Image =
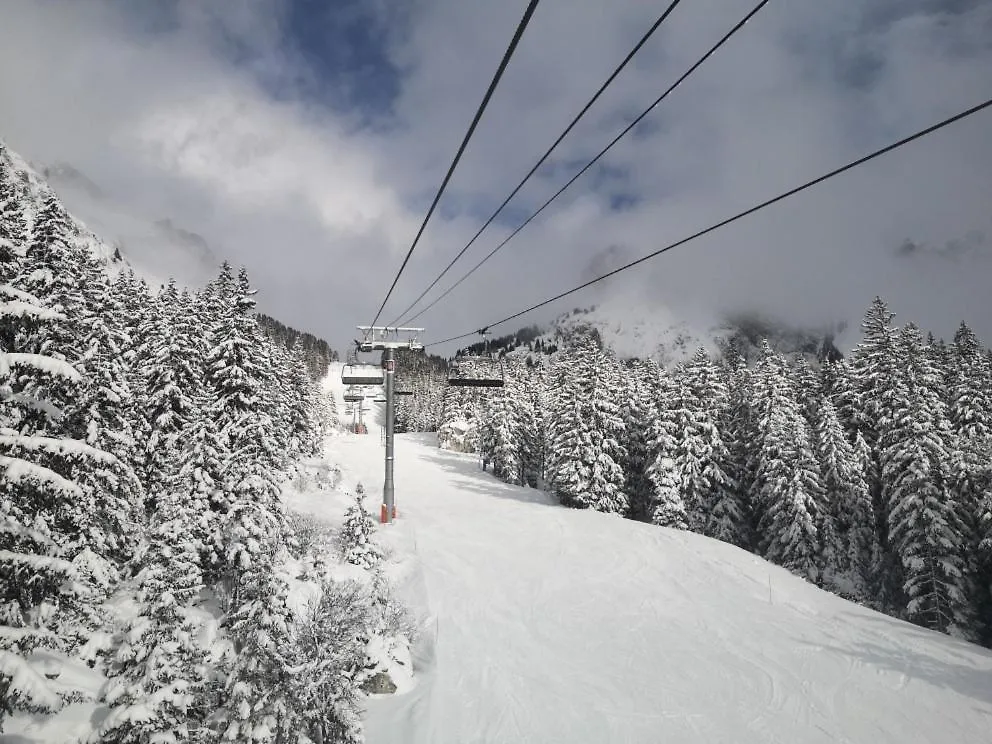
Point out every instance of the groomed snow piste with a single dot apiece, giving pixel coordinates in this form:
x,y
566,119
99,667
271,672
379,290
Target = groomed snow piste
x,y
543,624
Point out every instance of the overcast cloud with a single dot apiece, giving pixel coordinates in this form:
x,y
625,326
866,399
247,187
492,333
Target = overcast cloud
x,y
305,140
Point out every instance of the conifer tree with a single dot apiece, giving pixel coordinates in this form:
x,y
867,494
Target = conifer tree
x,y
531,417
737,427
638,412
587,449
666,506
924,523
13,226
159,685
259,704
49,529
848,542
869,409
786,473
358,546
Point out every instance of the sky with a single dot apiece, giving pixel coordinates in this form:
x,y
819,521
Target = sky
x,y
305,140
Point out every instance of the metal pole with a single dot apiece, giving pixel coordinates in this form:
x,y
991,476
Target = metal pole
x,y
388,505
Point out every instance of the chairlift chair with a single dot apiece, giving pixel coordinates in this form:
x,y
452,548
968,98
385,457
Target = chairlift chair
x,y
362,374
477,370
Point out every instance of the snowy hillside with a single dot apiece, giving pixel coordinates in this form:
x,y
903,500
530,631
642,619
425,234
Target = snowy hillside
x,y
35,187
156,248
545,624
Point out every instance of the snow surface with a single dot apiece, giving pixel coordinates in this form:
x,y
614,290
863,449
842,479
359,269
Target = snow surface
x,y
543,624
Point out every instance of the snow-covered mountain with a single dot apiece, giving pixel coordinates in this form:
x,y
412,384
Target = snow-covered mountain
x,y
631,327
633,330
156,247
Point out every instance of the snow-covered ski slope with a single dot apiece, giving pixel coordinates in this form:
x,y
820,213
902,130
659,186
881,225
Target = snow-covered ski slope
x,y
545,625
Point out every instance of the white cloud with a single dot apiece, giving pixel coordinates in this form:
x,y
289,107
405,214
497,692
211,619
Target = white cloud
x,y
322,209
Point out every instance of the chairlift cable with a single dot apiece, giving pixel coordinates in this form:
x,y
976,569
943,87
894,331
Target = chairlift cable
x,y
461,149
602,88
740,215
726,37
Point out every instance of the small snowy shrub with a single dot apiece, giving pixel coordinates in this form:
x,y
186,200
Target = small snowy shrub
x,y
307,534
303,480
390,617
329,646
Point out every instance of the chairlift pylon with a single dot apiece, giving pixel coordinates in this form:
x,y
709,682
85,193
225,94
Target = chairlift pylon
x,y
477,370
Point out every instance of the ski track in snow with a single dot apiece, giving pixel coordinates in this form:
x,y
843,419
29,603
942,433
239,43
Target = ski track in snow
x,y
543,624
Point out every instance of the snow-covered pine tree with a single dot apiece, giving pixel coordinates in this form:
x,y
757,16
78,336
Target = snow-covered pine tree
x,y
690,452
970,412
172,375
358,546
248,495
787,478
458,423
259,704
586,451
302,405
970,382
701,457
736,426
531,415
848,544
866,407
51,534
105,411
665,507
568,444
159,688
809,389
925,525
13,225
504,446
873,365
204,459
638,411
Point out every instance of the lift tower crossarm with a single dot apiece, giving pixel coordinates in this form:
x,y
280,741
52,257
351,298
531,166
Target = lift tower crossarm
x,y
387,339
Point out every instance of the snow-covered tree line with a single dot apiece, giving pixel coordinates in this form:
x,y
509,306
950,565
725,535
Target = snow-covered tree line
x,y
143,438
423,375
315,351
870,476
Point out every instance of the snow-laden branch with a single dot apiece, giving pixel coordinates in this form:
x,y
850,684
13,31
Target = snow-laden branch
x,y
16,470
46,364
39,564
26,688
22,309
41,405
17,294
52,446
17,530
